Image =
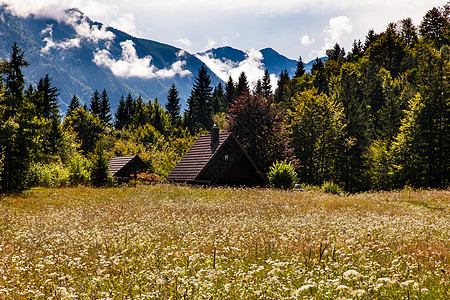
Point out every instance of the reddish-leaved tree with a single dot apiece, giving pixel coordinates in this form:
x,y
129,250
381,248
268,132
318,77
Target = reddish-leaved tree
x,y
258,124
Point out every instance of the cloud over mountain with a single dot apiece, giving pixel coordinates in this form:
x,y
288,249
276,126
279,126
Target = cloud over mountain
x,y
224,68
130,65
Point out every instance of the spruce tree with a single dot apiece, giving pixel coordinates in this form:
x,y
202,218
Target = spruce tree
x,y
282,96
95,103
48,108
173,104
121,114
320,80
199,103
300,71
73,105
105,108
218,99
230,93
242,86
17,124
266,86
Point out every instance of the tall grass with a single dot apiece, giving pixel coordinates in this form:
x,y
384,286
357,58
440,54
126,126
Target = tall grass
x,y
165,241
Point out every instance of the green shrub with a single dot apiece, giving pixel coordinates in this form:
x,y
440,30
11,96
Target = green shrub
x,y
282,175
48,175
331,187
78,167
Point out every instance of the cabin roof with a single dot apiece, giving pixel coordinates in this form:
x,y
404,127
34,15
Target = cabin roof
x,y
197,158
119,163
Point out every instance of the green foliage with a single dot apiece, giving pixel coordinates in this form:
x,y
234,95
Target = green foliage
x,y
79,169
86,127
316,127
379,165
48,175
99,171
199,112
282,175
331,187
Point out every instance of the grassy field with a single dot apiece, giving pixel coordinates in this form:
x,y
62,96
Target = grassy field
x,y
171,242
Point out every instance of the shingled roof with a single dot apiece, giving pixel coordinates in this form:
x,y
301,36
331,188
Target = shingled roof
x,y
123,166
217,159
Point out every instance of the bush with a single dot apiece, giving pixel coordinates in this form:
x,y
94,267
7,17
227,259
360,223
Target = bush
x,y
282,175
78,167
331,187
48,175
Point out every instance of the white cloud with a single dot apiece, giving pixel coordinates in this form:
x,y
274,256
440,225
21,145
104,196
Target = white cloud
x,y
337,28
130,65
252,66
50,43
306,40
84,30
125,23
185,42
210,44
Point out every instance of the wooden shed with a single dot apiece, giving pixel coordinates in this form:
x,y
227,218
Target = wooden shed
x,y
126,167
218,159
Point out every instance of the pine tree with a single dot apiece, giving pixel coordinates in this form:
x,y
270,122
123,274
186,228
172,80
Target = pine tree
x,y
320,80
130,109
266,86
73,105
48,106
300,71
435,28
282,95
95,104
99,172
408,32
218,99
242,86
199,103
121,114
230,93
14,81
259,89
173,104
105,108
17,124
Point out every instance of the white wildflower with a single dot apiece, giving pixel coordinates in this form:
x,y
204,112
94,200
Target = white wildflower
x,y
406,283
352,274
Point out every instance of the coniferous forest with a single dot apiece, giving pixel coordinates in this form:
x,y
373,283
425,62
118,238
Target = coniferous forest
x,y
375,117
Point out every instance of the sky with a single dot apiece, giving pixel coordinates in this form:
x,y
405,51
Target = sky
x,y
292,27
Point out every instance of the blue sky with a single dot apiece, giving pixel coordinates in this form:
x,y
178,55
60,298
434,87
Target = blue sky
x,y
292,27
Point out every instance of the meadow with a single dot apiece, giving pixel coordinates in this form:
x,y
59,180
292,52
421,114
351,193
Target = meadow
x,y
180,242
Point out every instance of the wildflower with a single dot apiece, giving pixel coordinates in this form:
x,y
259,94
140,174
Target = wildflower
x,y
406,283
352,275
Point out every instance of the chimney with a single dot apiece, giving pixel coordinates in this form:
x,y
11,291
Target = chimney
x,y
214,135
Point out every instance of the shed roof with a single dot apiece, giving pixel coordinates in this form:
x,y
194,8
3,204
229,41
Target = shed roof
x,y
116,164
195,160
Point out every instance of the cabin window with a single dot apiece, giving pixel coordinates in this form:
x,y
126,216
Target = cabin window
x,y
225,157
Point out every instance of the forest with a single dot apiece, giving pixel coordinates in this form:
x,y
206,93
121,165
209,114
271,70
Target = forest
x,y
373,118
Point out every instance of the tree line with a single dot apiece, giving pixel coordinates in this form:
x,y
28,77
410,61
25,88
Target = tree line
x,y
373,118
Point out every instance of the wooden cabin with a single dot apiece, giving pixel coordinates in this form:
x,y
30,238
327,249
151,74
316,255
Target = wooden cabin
x,y
217,159
125,168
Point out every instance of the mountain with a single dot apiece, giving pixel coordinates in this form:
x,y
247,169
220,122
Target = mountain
x,y
267,58
81,55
